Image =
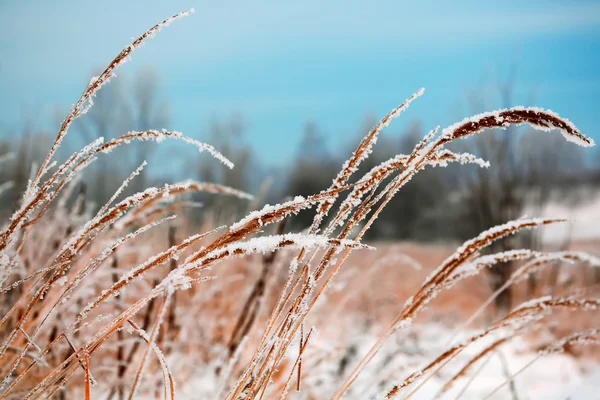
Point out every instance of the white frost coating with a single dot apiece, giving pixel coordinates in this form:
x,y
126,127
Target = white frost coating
x,y
167,196
217,189
449,131
368,143
150,340
49,167
568,137
410,169
474,267
462,158
93,264
32,191
561,300
470,248
576,256
159,136
496,232
297,204
590,336
568,257
135,173
142,268
380,172
267,244
414,377
85,102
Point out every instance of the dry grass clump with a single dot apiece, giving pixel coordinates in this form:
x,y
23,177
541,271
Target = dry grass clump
x,y
74,283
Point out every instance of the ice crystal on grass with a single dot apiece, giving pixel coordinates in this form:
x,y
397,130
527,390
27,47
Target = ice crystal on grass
x,y
159,136
95,264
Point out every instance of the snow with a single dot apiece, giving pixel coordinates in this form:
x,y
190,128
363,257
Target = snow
x,y
363,151
569,131
551,377
583,219
159,136
292,206
267,244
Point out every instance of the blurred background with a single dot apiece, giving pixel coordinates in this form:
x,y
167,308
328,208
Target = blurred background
x,y
287,91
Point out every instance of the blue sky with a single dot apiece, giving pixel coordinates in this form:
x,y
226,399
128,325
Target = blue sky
x,y
279,64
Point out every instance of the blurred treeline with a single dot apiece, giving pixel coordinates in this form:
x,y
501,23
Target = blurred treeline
x,y
528,169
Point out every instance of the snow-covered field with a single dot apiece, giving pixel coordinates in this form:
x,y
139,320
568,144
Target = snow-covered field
x,y
552,377
352,317
584,219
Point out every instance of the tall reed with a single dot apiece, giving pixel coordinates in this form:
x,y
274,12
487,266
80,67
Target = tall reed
x,y
58,328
